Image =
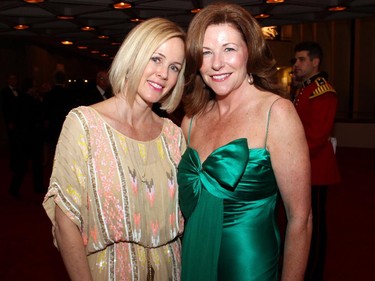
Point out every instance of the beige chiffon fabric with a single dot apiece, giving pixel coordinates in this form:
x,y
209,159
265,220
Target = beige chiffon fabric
x,y
122,194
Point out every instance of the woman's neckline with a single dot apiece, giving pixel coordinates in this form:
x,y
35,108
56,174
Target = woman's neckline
x,y
122,134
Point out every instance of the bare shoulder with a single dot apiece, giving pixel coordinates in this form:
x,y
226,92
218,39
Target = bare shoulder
x,y
284,123
280,104
101,107
282,109
106,109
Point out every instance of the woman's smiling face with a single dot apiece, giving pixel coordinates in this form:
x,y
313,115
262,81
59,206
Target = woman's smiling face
x,y
161,72
225,58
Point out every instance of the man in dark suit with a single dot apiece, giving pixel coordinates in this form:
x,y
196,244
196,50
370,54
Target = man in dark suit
x,y
58,102
16,111
100,91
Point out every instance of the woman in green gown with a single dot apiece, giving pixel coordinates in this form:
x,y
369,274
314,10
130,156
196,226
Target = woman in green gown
x,y
246,146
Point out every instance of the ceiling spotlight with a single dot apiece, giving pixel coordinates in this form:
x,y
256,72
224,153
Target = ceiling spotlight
x,y
87,28
262,16
21,26
337,8
82,47
94,52
33,1
104,55
67,42
274,1
103,36
122,5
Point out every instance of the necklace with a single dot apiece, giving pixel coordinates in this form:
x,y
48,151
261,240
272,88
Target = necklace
x,y
139,140
140,155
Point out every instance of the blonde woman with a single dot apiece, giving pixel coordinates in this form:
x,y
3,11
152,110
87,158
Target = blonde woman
x,y
113,197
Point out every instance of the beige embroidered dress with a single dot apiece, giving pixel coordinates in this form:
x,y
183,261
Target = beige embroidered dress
x,y
122,194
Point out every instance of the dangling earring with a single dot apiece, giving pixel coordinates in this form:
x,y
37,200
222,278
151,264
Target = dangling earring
x,y
250,79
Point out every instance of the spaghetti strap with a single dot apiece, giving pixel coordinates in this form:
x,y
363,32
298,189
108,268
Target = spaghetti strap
x,y
268,121
191,122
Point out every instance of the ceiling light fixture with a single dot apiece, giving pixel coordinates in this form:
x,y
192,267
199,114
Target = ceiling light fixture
x,y
337,8
269,32
262,16
122,5
195,11
87,28
103,36
274,1
21,26
94,52
67,42
33,1
82,47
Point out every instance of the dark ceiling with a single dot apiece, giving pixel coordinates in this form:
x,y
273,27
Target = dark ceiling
x,y
46,28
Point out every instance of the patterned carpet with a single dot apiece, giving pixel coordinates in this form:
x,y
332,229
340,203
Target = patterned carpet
x,y
27,252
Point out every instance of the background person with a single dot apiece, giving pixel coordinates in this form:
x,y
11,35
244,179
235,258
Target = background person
x,y
100,91
58,101
316,104
113,197
16,113
245,145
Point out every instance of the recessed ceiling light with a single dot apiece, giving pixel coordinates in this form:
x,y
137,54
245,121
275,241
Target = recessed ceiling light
x,y
87,28
194,11
67,42
122,5
21,26
274,1
82,47
103,36
337,8
94,52
262,16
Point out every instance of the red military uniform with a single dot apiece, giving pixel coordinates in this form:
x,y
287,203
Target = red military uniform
x,y
316,104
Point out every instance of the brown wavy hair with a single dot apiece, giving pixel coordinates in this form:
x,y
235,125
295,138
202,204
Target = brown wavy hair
x,y
261,63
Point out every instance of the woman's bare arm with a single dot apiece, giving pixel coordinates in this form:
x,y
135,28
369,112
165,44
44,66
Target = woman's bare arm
x,y
291,164
71,247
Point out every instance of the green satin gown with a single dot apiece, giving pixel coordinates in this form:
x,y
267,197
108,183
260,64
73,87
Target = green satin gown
x,y
228,202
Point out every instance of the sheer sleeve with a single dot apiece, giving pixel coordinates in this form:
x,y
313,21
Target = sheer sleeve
x,y
67,187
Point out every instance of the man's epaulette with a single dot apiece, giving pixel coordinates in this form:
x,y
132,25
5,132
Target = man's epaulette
x,y
322,87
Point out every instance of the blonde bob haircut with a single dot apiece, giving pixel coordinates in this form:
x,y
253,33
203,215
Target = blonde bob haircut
x,y
134,54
